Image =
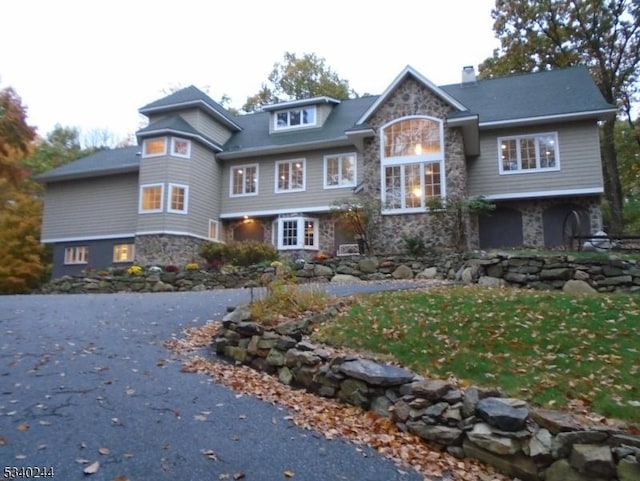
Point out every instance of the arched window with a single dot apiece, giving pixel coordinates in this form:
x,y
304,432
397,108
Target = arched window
x,y
412,161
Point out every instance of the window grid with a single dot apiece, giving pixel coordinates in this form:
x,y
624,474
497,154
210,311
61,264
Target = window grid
x,y
151,198
213,229
76,255
180,147
290,176
244,180
123,252
295,118
178,198
529,153
340,170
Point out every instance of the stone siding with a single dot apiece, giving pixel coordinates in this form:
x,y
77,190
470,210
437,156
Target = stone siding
x,y
164,249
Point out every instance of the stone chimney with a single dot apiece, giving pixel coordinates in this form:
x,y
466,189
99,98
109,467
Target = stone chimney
x,y
468,76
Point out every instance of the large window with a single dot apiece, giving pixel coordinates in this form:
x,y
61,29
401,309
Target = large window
x,y
76,255
339,171
412,164
290,175
154,147
295,118
151,196
178,199
297,233
528,153
244,180
123,252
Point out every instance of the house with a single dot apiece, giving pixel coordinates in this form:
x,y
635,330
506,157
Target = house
x,y
529,143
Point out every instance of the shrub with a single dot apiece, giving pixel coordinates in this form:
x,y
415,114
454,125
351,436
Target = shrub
x,y
134,270
415,245
192,266
171,268
242,253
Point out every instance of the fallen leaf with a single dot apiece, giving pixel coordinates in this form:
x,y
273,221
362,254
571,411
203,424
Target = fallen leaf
x,y
130,392
21,456
92,468
44,423
41,447
239,475
120,478
3,441
288,474
82,461
200,417
23,427
210,453
104,451
224,476
127,455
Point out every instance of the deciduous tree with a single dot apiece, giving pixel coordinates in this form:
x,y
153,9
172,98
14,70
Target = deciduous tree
x,y
298,78
602,34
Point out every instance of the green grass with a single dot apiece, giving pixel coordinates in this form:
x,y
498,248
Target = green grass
x,y
548,348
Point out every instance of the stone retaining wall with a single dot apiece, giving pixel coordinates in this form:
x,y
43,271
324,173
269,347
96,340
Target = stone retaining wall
x,y
530,444
565,272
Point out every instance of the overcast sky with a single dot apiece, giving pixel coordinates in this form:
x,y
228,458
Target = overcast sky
x,y
92,64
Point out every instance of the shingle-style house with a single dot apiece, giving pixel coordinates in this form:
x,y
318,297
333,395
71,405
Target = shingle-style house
x,y
529,143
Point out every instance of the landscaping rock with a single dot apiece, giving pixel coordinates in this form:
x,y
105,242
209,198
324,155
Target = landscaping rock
x,y
578,287
431,389
561,470
501,414
345,279
628,469
443,435
376,374
482,436
428,273
592,459
402,272
368,265
555,421
518,465
563,443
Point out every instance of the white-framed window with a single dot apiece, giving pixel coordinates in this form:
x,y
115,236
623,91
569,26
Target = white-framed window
x,y
290,175
294,118
123,252
213,229
151,198
180,147
244,180
154,147
412,158
528,153
76,255
178,199
340,170
297,233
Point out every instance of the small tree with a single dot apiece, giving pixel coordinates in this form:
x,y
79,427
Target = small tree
x,y
360,218
453,214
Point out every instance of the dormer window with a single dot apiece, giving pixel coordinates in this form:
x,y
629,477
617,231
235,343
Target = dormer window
x,y
294,118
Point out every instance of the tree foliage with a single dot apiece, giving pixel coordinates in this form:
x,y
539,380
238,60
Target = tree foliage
x,y
15,136
601,34
298,78
359,217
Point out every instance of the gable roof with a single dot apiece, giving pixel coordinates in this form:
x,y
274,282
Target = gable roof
x,y
406,72
103,162
191,97
545,96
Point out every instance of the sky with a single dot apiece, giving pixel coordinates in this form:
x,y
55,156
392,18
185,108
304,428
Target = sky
x,y
91,64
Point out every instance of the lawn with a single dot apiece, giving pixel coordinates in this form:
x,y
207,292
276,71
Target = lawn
x,y
549,348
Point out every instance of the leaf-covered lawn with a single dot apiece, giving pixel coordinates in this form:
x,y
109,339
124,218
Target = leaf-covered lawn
x,y
549,348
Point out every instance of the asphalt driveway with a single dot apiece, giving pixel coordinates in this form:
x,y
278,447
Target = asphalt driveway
x,y
86,378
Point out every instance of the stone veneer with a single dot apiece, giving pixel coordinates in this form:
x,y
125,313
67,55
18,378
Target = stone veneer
x,y
412,98
164,249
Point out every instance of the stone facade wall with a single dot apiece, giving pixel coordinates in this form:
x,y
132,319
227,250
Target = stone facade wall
x,y
164,249
412,98
529,444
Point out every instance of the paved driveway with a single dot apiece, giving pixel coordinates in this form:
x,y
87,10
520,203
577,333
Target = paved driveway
x,y
85,378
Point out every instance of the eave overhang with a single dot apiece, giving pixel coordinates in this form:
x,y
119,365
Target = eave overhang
x,y
88,174
470,132
287,148
602,115
190,135
300,103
